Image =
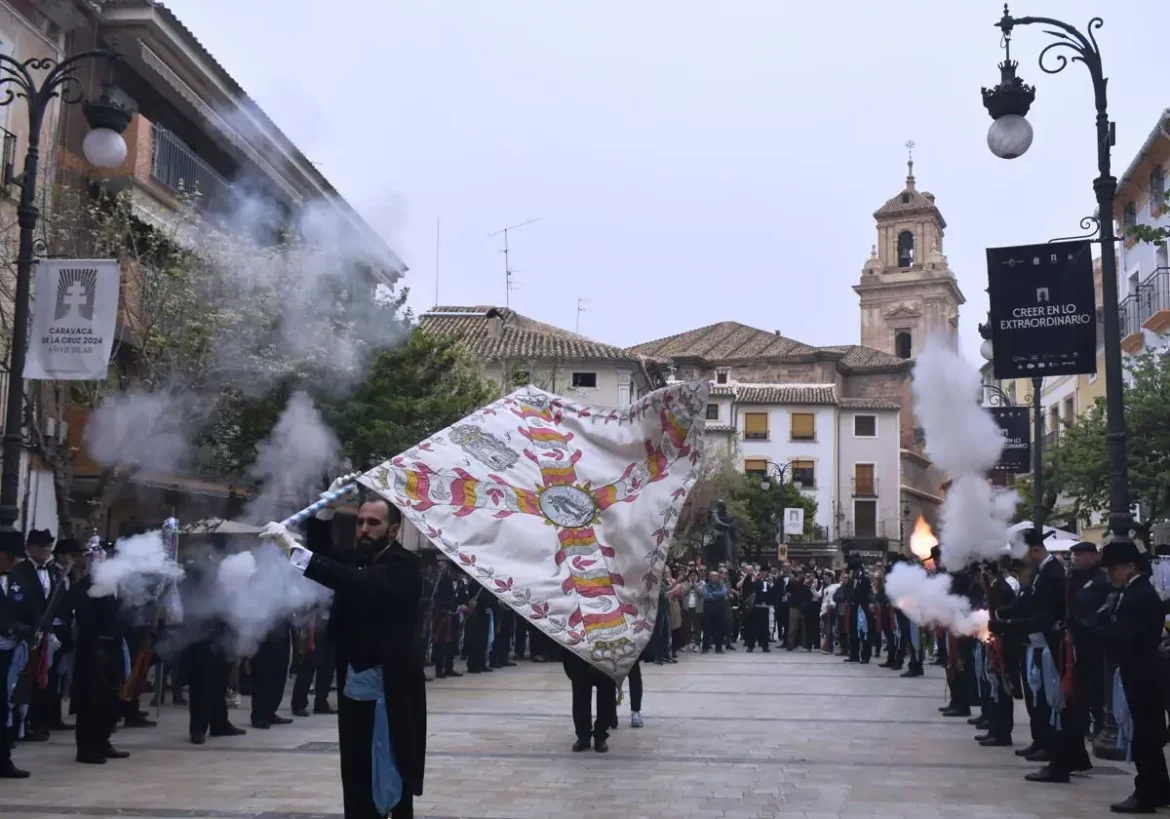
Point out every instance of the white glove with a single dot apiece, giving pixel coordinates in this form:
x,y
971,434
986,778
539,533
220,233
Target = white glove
x,y
299,556
327,512
55,642
279,534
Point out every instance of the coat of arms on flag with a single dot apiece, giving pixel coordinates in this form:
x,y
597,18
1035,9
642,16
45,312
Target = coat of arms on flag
x,y
563,511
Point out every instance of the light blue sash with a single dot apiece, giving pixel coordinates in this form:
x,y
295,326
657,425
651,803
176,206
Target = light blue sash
x,y
1123,716
19,660
915,637
126,659
1044,678
862,623
367,686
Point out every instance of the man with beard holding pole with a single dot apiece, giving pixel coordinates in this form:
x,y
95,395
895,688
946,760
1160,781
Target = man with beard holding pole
x,y
381,702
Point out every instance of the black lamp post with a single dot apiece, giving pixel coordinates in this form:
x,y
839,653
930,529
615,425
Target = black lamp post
x,y
782,472
38,81
1009,137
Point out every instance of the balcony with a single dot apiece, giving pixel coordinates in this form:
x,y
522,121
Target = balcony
x,y
177,167
1146,309
864,486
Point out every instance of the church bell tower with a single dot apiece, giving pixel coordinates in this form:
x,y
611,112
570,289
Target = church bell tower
x,y
908,292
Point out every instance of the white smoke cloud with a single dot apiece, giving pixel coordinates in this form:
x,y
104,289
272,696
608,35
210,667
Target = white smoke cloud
x,y
140,428
292,460
964,440
927,600
137,571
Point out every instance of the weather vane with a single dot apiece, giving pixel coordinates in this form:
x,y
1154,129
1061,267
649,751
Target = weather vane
x,y
910,156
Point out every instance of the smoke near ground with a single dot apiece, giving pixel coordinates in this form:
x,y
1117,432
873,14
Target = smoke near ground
x,y
927,600
965,442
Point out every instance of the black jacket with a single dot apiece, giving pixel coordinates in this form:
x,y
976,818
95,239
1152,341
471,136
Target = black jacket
x,y
372,622
1132,635
1090,590
26,593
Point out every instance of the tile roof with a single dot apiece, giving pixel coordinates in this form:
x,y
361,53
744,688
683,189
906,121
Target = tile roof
x,y
519,336
730,341
785,394
719,427
722,389
868,404
908,202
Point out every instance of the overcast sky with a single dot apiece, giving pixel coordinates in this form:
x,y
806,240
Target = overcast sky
x,y
689,162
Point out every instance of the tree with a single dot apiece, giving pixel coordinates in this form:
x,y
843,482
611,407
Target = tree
x,y
1149,233
1080,466
765,513
410,393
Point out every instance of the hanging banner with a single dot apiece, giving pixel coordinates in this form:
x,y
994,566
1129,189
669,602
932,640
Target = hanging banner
x,y
74,317
794,520
1015,424
1043,309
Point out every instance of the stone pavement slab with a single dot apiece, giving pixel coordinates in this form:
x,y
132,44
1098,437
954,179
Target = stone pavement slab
x,y
738,736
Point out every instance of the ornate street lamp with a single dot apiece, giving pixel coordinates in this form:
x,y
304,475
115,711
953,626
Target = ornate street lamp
x,y
104,148
781,472
1010,101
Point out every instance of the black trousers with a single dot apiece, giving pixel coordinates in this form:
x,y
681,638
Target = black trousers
x,y
781,613
270,674
1089,675
355,728
475,640
98,703
7,735
1152,783
316,671
758,632
860,646
207,680
1001,715
635,678
714,627
505,621
522,638
583,722
905,647
964,687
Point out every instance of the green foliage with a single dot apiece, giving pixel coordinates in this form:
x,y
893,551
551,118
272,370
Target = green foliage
x,y
1148,233
765,513
410,393
1080,466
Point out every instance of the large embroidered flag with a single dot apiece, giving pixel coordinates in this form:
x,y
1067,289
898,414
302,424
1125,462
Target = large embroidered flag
x,y
563,511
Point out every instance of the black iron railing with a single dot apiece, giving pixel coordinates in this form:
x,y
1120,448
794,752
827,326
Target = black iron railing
x,y
1152,295
175,165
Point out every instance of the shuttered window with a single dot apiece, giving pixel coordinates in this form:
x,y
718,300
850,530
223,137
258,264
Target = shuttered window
x,y
804,426
755,426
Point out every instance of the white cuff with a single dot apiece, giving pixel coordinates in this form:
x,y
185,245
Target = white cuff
x,y
299,557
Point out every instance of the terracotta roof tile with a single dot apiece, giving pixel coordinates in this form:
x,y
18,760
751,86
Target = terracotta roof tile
x,y
859,358
785,394
719,428
910,201
518,337
868,404
722,389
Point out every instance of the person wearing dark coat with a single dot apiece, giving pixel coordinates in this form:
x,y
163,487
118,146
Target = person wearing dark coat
x,y
66,552
1132,633
381,685
269,666
14,635
584,678
1089,590
860,601
30,584
99,670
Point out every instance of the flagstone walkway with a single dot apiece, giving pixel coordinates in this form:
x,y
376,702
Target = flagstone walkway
x,y
741,735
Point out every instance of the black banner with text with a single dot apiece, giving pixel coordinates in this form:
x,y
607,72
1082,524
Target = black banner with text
x,y
1015,424
1043,309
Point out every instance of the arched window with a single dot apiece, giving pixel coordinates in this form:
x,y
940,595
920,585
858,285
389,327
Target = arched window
x,y
903,348
905,249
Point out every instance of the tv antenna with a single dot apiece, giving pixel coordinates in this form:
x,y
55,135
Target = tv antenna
x,y
508,271
580,309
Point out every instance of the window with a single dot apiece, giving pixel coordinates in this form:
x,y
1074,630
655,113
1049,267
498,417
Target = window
x,y
756,468
1069,411
903,348
864,426
1161,256
804,473
755,426
864,482
521,378
585,380
722,375
1157,191
712,412
905,249
1130,217
804,426
1053,419
865,518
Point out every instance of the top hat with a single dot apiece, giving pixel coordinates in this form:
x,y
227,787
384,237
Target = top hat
x,y
11,543
1083,546
1120,552
40,537
68,546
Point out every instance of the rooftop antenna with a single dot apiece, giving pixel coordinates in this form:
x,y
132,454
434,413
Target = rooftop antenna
x,y
508,285
580,309
437,220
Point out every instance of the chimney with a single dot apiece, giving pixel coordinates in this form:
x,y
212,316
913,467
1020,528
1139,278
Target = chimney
x,y
495,324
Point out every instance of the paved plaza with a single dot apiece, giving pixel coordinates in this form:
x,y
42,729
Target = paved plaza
x,y
742,735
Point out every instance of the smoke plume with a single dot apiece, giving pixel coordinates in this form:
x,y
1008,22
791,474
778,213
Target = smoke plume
x,y
137,571
964,440
927,600
140,428
292,460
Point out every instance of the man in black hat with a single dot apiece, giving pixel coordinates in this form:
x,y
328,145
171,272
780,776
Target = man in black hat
x,y
860,601
1089,589
65,554
13,633
1061,741
30,585
1132,635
